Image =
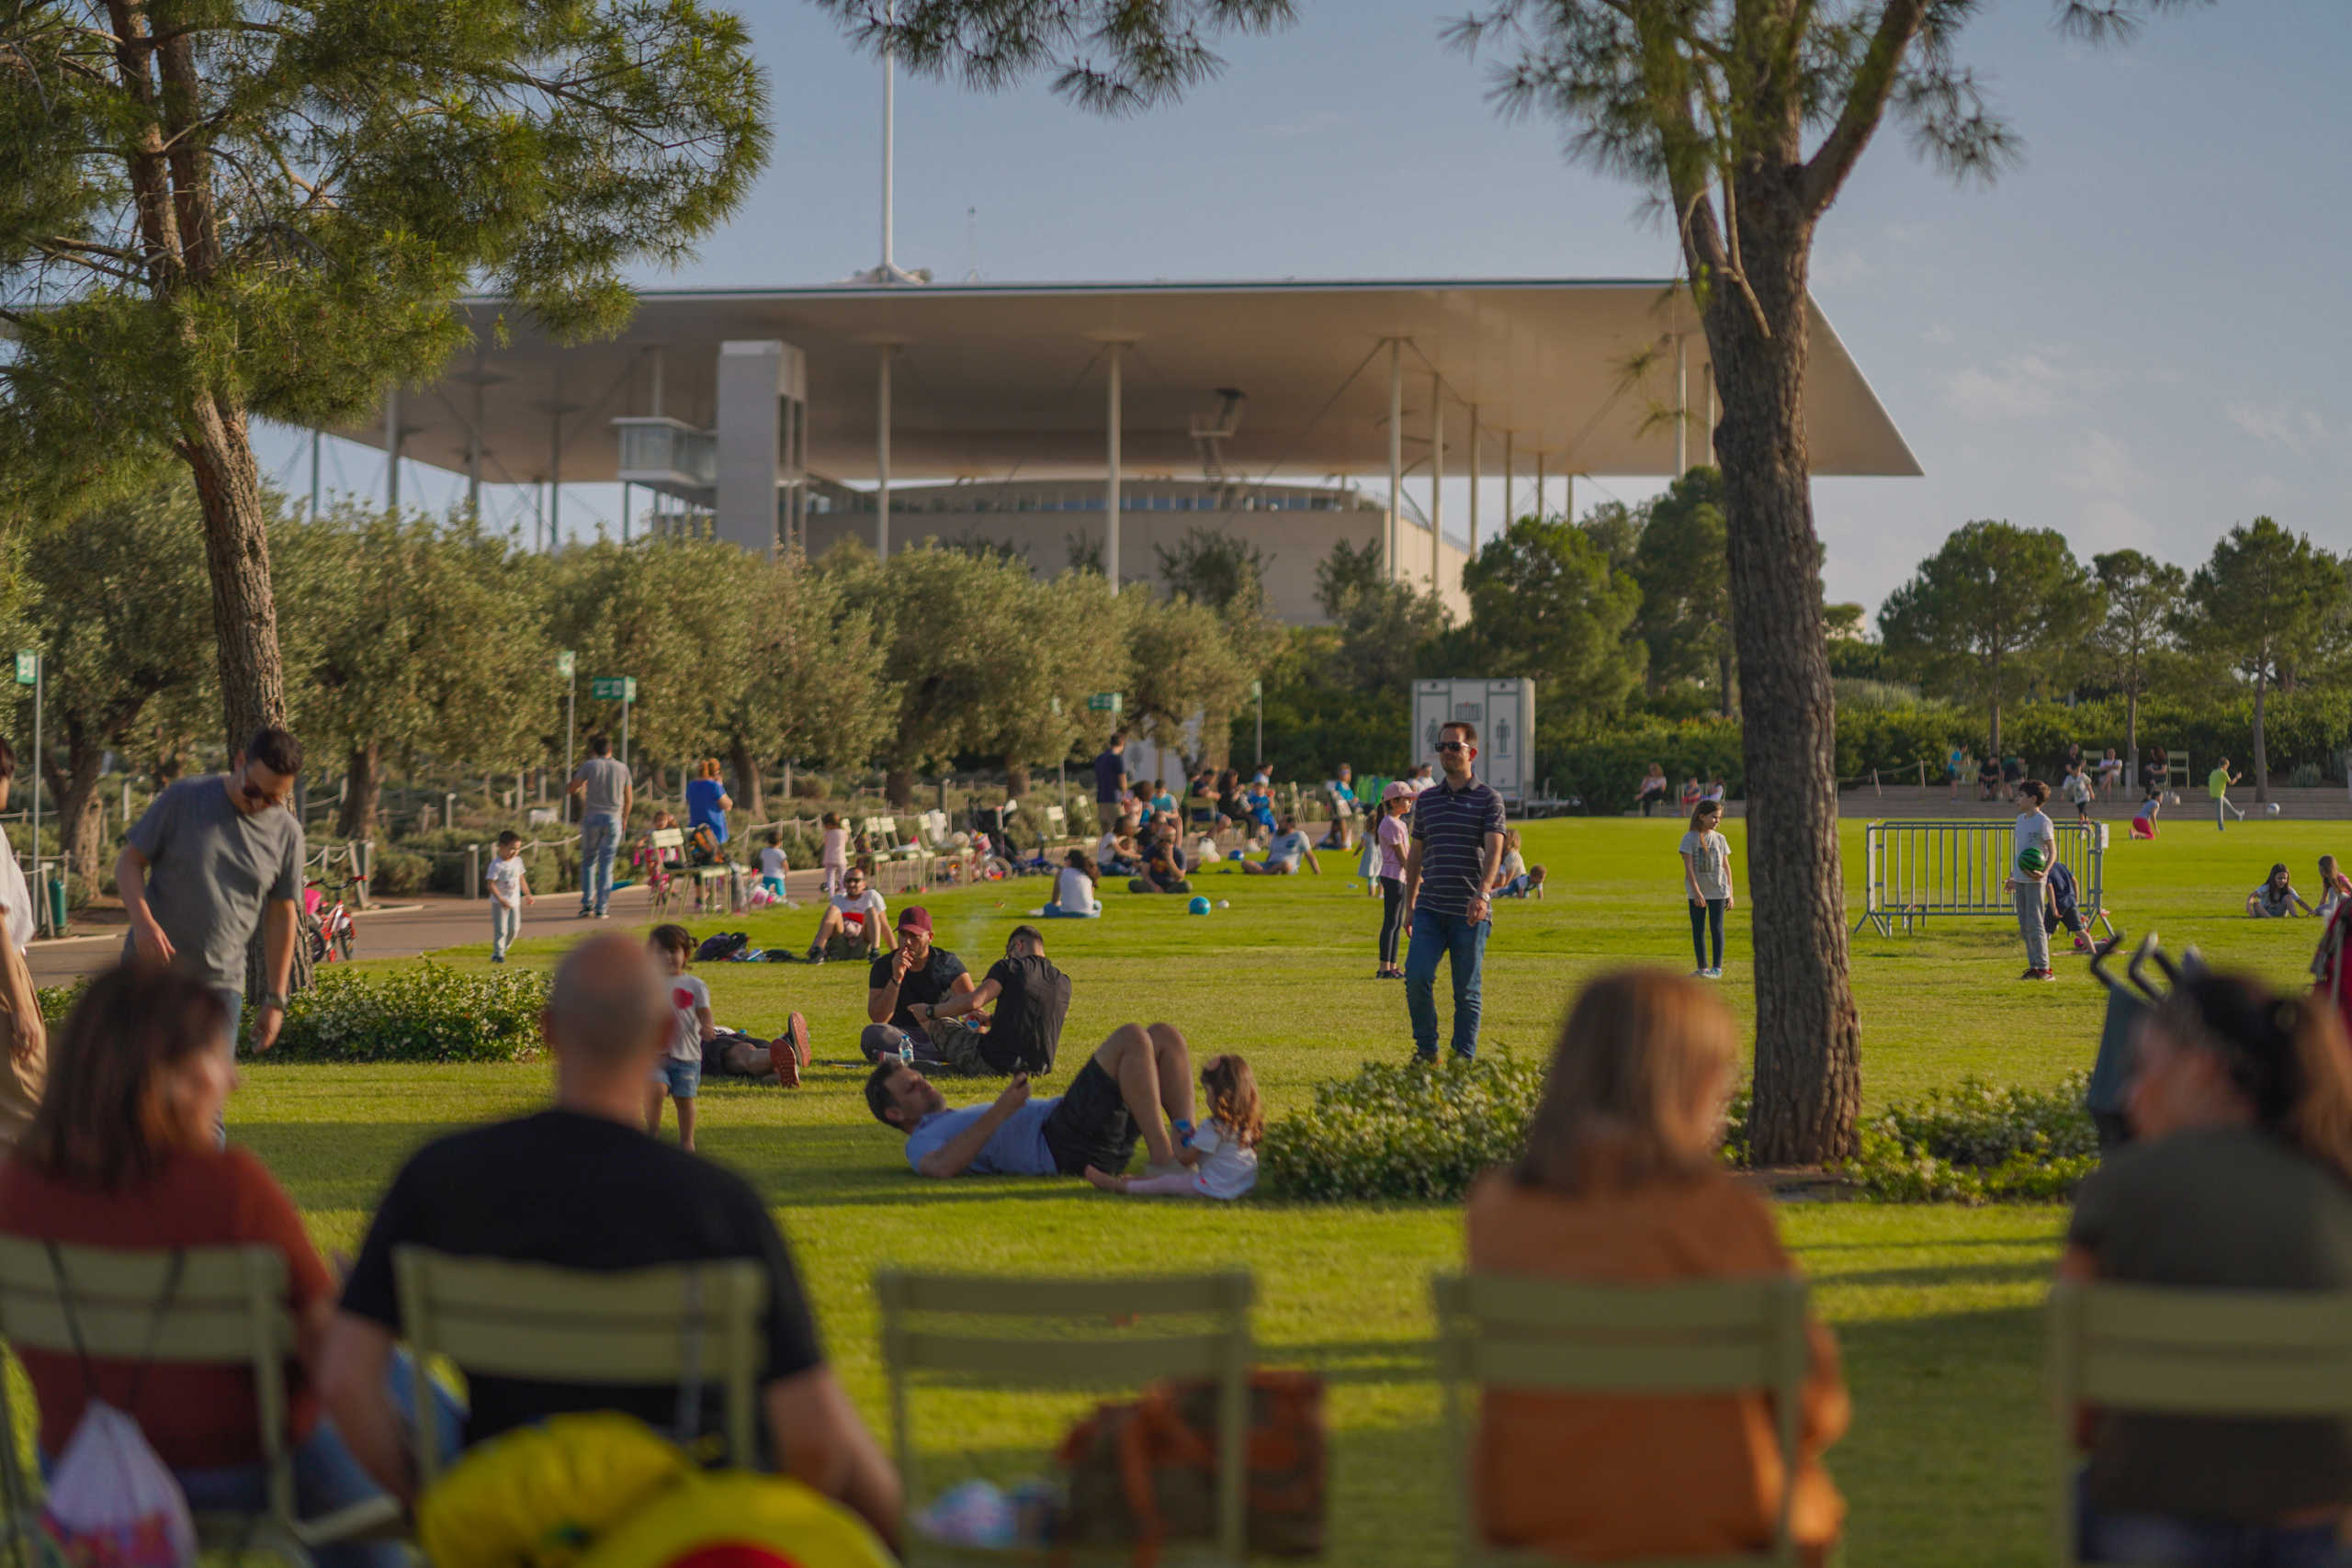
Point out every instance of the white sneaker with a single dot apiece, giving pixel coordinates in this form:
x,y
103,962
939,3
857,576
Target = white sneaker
x,y
1699,974
1716,973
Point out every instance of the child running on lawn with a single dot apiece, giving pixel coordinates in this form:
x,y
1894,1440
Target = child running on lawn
x,y
679,1074
1222,1151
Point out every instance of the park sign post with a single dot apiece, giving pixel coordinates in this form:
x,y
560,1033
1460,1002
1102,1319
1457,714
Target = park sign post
x,y
621,689
566,664
28,673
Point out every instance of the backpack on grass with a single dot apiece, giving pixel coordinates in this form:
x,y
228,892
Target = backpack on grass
x,y
1143,1472
721,945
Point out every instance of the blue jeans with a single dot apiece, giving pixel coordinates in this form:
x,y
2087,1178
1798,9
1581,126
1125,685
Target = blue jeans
x,y
505,925
600,840
2161,1541
1435,934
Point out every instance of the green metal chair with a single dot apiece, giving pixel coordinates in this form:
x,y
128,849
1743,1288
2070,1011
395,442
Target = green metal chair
x,y
1072,1334
226,1308
1549,1336
2174,1351
674,1325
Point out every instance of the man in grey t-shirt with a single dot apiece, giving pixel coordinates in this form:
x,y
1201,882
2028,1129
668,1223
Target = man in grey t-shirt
x,y
605,799
215,858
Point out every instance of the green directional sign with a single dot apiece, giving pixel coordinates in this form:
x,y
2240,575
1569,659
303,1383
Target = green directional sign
x,y
614,688
1106,702
565,662
28,666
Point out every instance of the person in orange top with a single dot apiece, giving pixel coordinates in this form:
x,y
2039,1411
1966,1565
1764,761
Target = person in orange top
x,y
122,1153
1620,1185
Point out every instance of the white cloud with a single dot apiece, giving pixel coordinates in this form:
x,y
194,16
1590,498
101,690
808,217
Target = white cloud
x,y
2025,386
2100,465
1941,336
2295,430
1842,267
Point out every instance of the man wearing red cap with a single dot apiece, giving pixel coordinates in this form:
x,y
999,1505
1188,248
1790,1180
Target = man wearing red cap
x,y
905,985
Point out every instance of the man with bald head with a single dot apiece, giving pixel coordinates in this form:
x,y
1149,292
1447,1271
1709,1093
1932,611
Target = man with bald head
x,y
581,1185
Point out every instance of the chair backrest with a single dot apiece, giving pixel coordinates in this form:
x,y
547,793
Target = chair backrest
x,y
2176,1351
1056,822
882,830
690,1322
1075,1334
934,828
228,1308
667,838
1550,1336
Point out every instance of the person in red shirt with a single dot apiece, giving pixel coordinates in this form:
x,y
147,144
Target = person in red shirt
x,y
122,1153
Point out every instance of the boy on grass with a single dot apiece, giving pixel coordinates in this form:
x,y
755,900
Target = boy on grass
x,y
510,890
679,1073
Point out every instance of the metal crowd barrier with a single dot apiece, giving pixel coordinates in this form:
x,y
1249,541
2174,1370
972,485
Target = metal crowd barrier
x,y
1949,866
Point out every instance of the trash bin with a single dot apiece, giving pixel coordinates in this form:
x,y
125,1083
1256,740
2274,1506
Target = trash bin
x,y
57,904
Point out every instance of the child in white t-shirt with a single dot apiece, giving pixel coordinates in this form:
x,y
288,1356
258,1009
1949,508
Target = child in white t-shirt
x,y
679,1074
832,855
510,890
1706,879
1074,896
1222,1152
772,865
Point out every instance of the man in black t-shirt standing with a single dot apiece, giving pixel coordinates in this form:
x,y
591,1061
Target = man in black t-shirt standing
x,y
1111,778
1030,998
904,986
581,1185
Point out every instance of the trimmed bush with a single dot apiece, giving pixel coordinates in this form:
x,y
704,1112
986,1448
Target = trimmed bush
x,y
1401,1131
428,1014
1978,1142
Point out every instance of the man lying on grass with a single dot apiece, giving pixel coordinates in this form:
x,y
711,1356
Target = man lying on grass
x,y
1138,1082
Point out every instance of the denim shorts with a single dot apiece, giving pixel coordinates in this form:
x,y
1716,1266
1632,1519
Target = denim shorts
x,y
681,1078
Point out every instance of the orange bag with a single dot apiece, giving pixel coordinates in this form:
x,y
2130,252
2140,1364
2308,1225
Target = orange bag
x,y
1143,1472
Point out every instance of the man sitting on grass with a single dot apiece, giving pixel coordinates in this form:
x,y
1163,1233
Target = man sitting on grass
x,y
905,987
1283,852
1023,1000
1134,1078
853,924
1164,870
580,1186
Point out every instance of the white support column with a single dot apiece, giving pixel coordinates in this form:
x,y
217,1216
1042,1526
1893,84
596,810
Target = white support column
x,y
315,436
1539,484
392,448
1568,496
1509,476
1437,473
555,474
473,437
1474,478
882,449
1396,459
1681,410
1111,517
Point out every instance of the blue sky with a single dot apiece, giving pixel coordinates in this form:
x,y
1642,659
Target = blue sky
x,y
2138,338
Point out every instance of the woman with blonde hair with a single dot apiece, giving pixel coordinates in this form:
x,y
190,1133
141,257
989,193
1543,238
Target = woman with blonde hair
x,y
1620,1185
2238,1177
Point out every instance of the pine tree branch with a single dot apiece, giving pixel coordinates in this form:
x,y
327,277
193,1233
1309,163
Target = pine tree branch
x,y
1867,95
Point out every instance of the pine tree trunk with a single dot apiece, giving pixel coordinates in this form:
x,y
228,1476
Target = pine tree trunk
x,y
2131,731
899,787
2261,750
1016,778
1808,1040
364,782
1997,728
748,796
236,555
1723,674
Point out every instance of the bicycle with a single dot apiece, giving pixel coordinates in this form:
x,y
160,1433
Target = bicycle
x,y
332,938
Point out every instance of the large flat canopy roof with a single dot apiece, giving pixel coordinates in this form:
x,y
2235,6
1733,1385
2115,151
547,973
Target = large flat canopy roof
x,y
992,379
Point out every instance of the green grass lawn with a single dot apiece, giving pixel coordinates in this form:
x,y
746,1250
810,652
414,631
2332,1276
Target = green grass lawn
x,y
1936,1307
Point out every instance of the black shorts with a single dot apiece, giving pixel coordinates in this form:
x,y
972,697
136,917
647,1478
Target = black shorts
x,y
1091,1126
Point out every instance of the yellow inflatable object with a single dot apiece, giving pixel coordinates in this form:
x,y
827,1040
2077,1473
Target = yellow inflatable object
x,y
738,1520
537,1496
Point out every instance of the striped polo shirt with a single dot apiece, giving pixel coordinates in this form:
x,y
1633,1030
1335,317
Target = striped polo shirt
x,y
1451,826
